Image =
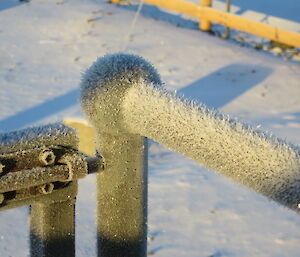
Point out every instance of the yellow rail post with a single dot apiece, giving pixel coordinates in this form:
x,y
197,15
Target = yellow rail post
x,y
205,24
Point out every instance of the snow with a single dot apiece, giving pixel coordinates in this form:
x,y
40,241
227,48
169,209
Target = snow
x,y
45,46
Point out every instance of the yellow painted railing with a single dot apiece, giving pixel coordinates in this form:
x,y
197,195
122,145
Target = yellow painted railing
x,y
208,15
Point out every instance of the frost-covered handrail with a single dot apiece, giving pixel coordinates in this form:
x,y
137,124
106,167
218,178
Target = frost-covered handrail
x,y
123,98
123,93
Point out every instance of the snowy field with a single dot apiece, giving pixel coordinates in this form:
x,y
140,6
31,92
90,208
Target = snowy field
x,y
45,45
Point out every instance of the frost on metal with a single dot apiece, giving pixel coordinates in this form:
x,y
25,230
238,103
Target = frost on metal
x,y
125,90
105,83
30,138
122,186
32,159
262,162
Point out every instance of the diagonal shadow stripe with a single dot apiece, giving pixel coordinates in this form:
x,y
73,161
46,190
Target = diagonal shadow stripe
x,y
6,4
224,85
40,111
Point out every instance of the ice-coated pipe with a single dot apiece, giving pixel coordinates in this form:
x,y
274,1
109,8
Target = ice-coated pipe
x,y
123,92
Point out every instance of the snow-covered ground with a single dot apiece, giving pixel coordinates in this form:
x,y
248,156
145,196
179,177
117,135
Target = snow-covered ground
x,y
46,44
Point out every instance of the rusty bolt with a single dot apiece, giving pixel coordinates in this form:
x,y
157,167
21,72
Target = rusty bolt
x,y
47,157
46,188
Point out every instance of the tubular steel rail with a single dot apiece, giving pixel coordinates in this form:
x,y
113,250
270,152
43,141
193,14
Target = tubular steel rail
x,y
123,98
207,15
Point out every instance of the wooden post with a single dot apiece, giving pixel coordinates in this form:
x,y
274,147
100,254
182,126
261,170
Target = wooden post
x,y
205,24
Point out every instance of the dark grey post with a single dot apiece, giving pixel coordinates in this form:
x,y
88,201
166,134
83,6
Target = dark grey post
x,y
122,185
227,29
122,196
52,225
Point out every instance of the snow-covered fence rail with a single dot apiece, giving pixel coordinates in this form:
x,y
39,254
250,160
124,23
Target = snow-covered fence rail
x,y
123,98
207,15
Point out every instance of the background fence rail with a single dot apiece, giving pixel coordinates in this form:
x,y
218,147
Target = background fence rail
x,y
208,15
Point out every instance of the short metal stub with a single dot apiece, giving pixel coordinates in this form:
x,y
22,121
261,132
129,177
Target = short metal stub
x,y
78,167
47,157
1,167
1,198
46,188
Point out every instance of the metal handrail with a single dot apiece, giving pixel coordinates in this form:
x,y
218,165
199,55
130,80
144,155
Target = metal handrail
x,y
123,98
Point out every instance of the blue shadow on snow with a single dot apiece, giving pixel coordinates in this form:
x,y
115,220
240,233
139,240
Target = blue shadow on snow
x,y
6,4
224,85
40,111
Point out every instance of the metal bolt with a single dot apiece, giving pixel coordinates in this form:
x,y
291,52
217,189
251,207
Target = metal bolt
x,y
47,157
46,188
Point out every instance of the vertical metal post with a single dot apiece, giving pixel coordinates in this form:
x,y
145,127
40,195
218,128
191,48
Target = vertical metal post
x,y
205,24
122,184
122,196
227,29
52,226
